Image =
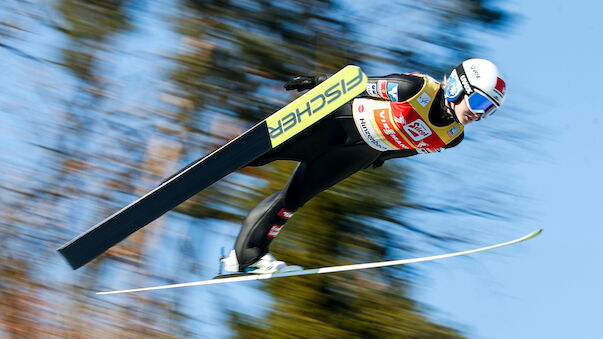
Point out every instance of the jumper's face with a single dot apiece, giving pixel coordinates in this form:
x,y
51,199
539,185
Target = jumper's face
x,y
463,113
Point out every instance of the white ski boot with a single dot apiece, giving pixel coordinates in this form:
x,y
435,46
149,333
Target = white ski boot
x,y
266,264
231,264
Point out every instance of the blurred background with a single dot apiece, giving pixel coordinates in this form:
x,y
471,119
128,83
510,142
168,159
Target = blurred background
x,y
100,100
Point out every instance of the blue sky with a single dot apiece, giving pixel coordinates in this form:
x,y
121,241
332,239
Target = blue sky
x,y
549,287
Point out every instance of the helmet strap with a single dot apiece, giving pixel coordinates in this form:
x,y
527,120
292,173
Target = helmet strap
x,y
450,110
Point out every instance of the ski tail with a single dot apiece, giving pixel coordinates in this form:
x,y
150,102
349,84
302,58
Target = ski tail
x,y
151,206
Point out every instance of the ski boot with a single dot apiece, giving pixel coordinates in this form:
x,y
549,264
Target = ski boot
x,y
266,264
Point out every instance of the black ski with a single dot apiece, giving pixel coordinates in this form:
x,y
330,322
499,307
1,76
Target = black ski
x,y
273,131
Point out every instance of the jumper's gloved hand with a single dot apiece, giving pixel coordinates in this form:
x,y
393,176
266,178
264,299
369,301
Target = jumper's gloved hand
x,y
301,83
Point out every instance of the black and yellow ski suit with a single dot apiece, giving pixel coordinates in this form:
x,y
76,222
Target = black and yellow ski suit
x,y
328,152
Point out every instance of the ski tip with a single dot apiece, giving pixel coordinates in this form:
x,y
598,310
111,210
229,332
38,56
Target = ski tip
x,y
531,235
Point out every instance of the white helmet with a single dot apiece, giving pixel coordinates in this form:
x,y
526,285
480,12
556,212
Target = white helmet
x,y
480,81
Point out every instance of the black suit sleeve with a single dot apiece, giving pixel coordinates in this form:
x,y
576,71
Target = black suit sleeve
x,y
406,85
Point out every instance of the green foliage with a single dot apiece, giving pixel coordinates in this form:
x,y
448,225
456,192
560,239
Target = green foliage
x,y
89,24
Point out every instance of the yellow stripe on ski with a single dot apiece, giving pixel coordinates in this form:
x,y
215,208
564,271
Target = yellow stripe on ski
x,y
317,103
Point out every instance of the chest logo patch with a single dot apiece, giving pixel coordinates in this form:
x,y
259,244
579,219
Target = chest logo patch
x,y
417,130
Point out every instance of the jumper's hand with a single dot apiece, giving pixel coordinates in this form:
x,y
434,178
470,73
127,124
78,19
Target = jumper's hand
x,y
300,83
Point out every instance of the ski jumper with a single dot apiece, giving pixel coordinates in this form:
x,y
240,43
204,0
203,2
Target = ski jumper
x,y
398,115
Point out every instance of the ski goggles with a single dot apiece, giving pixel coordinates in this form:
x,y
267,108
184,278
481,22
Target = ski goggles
x,y
480,103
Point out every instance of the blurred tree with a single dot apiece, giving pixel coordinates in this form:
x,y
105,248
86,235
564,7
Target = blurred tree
x,y
65,180
128,164
227,74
